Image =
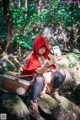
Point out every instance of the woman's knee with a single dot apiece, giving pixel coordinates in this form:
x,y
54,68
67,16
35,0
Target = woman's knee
x,y
62,72
58,78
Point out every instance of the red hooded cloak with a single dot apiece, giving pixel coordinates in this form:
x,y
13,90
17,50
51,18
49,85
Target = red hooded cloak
x,y
33,62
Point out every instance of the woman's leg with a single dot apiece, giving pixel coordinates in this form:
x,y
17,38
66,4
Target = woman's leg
x,y
38,86
58,78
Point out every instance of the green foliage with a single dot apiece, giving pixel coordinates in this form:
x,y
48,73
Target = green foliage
x,y
45,16
64,13
19,17
77,60
23,41
26,21
72,64
23,25
77,57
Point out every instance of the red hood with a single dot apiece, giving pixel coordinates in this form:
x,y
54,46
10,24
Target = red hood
x,y
38,43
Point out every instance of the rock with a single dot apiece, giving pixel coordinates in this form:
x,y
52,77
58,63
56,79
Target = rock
x,y
70,58
69,82
67,61
10,63
76,73
15,106
76,93
64,62
14,60
66,110
6,63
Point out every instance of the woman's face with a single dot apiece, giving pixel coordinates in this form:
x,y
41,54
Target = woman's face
x,y
42,50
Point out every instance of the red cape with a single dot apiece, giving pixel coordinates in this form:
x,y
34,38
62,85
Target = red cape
x,y
33,62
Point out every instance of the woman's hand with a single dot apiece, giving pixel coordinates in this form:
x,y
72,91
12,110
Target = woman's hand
x,y
53,60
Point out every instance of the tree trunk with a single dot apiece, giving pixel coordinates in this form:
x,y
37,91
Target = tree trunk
x,y
72,27
10,30
19,4
26,4
39,7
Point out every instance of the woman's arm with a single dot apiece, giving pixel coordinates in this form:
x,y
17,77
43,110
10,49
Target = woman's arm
x,y
42,69
46,66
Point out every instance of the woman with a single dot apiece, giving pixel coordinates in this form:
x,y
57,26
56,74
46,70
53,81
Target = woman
x,y
43,67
